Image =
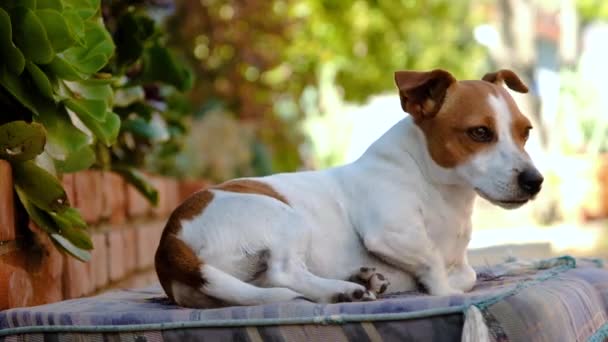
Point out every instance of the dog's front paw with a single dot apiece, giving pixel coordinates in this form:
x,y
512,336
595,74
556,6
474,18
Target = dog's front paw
x,y
373,281
357,295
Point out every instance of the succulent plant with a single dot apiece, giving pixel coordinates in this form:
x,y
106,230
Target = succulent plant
x,y
74,94
58,106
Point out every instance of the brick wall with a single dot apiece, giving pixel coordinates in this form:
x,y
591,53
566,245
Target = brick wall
x,y
125,230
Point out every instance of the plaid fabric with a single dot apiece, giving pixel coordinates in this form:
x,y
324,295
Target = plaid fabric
x,y
551,300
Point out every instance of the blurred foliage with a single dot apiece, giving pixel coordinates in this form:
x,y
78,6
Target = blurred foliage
x,y
150,79
220,147
57,107
235,47
76,96
585,131
263,61
590,10
368,40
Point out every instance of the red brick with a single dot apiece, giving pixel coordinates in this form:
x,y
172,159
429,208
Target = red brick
x,y
160,185
20,291
99,260
89,194
12,272
31,276
130,249
188,187
77,282
173,197
45,265
139,280
114,198
7,208
116,251
168,191
137,204
68,185
147,237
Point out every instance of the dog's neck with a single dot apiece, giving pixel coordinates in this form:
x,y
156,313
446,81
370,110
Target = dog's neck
x,y
405,144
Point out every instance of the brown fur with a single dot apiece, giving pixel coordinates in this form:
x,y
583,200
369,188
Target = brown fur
x,y
508,77
174,259
422,93
463,108
446,109
250,186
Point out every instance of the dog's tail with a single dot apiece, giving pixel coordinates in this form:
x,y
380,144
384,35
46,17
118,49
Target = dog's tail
x,y
190,282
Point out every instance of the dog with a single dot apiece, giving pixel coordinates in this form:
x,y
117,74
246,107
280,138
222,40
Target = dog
x,y
399,217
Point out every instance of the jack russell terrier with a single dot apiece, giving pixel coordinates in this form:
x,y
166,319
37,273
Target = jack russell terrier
x,y
402,212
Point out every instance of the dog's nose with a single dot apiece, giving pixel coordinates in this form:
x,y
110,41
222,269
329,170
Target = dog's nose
x,y
530,181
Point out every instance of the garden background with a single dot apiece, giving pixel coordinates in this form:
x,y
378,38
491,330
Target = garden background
x,y
114,111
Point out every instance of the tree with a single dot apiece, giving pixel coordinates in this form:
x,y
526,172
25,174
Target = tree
x,y
369,40
274,63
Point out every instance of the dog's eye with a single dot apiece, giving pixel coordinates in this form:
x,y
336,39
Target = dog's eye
x,y
480,134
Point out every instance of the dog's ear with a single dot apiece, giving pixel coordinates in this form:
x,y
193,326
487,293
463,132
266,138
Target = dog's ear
x,y
507,77
422,93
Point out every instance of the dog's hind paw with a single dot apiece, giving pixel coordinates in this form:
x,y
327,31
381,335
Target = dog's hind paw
x,y
373,281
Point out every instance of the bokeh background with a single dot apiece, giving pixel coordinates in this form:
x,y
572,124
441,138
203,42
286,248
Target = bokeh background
x,y
286,85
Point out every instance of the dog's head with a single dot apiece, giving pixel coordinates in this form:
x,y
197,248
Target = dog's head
x,y
474,128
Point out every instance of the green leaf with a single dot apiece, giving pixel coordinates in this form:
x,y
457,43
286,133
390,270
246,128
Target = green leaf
x,y
63,69
57,29
31,4
160,65
105,131
76,24
52,223
63,138
82,3
140,108
40,80
145,129
85,8
90,89
130,37
138,180
39,216
95,109
76,235
29,35
130,95
79,160
96,52
16,87
11,55
49,4
67,246
72,215
41,188
21,141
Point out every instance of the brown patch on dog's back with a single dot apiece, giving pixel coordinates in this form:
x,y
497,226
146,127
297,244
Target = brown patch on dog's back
x,y
174,259
250,186
465,106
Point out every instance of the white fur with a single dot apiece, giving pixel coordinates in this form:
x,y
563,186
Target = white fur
x,y
393,209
